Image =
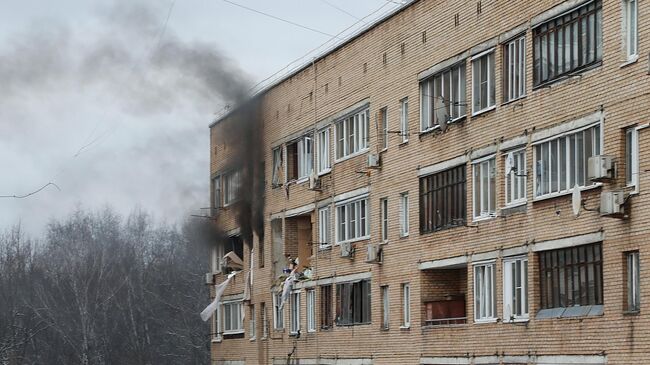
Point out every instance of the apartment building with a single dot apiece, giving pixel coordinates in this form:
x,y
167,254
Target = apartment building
x,y
460,183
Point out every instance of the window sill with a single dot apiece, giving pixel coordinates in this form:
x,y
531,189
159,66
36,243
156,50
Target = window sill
x,y
565,193
484,218
233,333
515,204
512,101
486,320
405,328
565,77
353,155
311,331
324,172
217,340
630,61
517,320
483,111
403,143
631,313
294,334
404,235
252,339
325,248
437,126
364,238
574,312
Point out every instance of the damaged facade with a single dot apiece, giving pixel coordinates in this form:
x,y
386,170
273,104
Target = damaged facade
x,y
421,178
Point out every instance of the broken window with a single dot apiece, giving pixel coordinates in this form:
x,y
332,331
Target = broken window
x,y
236,245
353,303
299,158
277,167
216,184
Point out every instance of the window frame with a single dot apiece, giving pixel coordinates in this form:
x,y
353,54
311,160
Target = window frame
x,y
252,323
433,192
231,187
404,214
632,158
630,30
406,305
359,137
490,89
326,303
428,111
514,69
238,304
217,191
323,142
294,312
508,289
355,315
484,290
278,312
383,119
305,156
597,149
477,202
633,279
324,227
511,180
404,119
385,307
277,165
362,200
311,309
383,214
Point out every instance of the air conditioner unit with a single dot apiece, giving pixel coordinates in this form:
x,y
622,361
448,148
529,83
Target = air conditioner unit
x,y
612,204
601,168
347,249
374,161
314,182
374,254
209,278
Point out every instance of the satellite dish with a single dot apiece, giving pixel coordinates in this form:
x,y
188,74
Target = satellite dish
x,y
510,163
441,113
576,200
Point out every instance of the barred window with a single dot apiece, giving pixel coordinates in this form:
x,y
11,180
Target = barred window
x,y
571,276
568,43
443,200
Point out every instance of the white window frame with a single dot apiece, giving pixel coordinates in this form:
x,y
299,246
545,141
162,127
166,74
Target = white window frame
x,y
477,97
383,206
216,322
631,29
568,164
479,211
514,178
217,191
458,101
276,154
265,324
515,69
252,323
294,312
356,127
232,183
383,115
404,119
404,214
385,307
311,310
484,292
406,305
236,322
324,227
632,158
217,256
633,280
278,312
323,141
510,298
359,224
305,156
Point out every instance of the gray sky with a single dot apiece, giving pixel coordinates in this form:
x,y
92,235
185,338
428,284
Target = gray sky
x,y
96,98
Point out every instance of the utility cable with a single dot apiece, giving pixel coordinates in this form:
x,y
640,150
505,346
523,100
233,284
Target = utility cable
x,y
342,10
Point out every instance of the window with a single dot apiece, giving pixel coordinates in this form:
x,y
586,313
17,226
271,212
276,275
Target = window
x,y
352,221
571,277
265,324
217,256
484,189
252,330
294,317
232,183
385,308
633,286
324,231
383,203
260,249
232,319
383,115
404,119
442,200
484,290
515,177
324,151
630,31
443,97
568,43
277,167
514,62
278,313
406,305
311,310
305,150
353,303
352,134
632,158
217,191
515,288
483,82
326,317
216,322
404,214
561,162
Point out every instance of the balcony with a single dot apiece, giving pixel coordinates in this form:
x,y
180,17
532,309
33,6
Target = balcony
x,y
444,296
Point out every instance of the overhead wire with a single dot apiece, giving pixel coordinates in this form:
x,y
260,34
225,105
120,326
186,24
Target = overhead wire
x,y
342,10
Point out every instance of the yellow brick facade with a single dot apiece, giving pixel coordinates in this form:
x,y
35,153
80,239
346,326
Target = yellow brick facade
x,y
381,66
